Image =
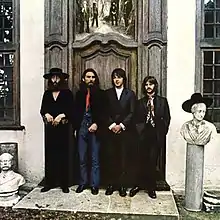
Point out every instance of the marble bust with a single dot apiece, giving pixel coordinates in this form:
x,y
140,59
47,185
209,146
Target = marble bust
x,y
197,131
9,181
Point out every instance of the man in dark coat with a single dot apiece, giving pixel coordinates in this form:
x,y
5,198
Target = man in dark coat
x,y
152,120
57,111
120,109
89,111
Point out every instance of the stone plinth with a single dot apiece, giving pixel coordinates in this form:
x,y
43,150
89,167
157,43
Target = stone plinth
x,y
114,206
194,177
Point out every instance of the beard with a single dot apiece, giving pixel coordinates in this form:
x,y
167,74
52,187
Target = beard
x,y
150,91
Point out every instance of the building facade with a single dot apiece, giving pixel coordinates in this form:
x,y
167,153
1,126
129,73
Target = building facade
x,y
175,41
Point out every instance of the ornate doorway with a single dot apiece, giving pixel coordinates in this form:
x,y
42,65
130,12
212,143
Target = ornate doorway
x,y
105,34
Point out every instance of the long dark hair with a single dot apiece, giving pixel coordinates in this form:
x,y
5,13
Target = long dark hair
x,y
82,83
120,73
61,85
150,79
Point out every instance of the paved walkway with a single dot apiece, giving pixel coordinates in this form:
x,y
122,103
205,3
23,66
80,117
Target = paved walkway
x,y
163,207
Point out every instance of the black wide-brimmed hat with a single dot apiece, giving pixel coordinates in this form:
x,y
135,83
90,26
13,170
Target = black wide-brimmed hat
x,y
196,98
57,72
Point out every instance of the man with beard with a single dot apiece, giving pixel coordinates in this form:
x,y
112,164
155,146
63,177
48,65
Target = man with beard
x,y
89,111
120,109
152,119
57,112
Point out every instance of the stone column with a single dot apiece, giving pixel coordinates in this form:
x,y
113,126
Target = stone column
x,y
194,177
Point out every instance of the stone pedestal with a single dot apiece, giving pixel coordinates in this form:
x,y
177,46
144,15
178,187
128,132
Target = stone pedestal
x,y
194,177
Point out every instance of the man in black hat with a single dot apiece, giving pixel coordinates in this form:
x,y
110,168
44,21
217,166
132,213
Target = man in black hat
x,y
90,105
57,111
197,131
152,119
120,109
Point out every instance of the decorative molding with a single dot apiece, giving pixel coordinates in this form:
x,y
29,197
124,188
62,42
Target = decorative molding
x,y
154,19
104,40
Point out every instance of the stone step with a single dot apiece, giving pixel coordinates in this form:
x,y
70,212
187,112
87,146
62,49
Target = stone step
x,y
110,207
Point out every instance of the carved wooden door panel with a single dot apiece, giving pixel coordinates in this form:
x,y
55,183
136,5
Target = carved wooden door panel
x,y
107,34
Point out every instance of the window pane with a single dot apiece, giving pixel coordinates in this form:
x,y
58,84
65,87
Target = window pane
x,y
8,114
217,72
217,3
9,100
207,86
209,17
208,57
217,31
2,113
217,57
207,72
217,86
209,4
209,31
216,116
218,17
6,21
217,101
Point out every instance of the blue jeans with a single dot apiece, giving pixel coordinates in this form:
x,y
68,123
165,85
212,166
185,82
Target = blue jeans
x,y
83,144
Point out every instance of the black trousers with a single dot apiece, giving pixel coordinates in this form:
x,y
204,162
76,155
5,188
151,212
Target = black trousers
x,y
117,151
147,158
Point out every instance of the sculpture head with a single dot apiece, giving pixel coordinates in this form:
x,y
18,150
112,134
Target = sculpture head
x,y
6,161
198,110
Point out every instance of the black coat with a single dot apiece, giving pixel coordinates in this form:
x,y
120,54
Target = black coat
x,y
162,117
97,105
57,137
122,110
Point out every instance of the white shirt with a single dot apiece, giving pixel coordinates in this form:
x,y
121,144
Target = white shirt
x,y
118,93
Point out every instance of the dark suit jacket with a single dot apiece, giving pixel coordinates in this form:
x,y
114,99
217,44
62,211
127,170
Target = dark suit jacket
x,y
162,116
122,110
97,103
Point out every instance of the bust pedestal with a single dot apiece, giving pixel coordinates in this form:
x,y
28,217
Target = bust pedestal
x,y
194,177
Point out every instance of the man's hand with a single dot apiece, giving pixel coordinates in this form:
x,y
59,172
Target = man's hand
x,y
49,117
93,127
57,120
117,129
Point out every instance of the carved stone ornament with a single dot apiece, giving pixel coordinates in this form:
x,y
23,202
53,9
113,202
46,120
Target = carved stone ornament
x,y
9,181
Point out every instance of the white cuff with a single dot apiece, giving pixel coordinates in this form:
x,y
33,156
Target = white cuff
x,y
111,126
122,126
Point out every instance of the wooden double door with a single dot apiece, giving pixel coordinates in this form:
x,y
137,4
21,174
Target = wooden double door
x,y
108,34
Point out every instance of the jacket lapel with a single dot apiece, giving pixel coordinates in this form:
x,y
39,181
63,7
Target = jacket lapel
x,y
123,97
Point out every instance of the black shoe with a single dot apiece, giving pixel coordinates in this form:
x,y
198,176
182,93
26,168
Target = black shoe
x,y
109,190
122,192
65,190
45,189
134,191
94,190
80,188
152,194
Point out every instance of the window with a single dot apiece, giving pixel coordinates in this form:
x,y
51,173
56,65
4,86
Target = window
x,y
208,55
9,63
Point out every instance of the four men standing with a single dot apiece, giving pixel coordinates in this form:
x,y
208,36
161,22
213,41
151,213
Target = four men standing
x,y
116,113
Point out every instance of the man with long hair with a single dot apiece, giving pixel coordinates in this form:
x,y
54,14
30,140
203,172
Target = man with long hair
x,y
57,111
89,112
120,109
152,119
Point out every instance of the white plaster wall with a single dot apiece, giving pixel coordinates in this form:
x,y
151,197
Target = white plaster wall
x,y
180,86
32,87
